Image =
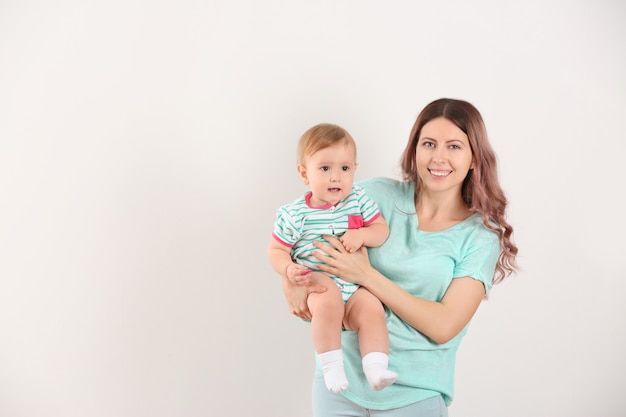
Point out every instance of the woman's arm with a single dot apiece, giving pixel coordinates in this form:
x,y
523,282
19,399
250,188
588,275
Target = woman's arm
x,y
440,321
296,296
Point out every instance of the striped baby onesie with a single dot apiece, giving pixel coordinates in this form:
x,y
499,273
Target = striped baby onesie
x,y
298,225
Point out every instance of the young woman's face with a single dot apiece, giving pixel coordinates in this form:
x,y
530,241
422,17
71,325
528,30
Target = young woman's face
x,y
330,173
443,156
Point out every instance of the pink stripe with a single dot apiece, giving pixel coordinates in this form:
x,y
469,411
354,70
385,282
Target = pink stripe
x,y
282,242
370,221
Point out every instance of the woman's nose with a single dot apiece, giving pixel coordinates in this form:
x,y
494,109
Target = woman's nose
x,y
439,155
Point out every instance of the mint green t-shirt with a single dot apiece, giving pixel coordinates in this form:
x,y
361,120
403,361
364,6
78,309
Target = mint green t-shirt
x,y
424,264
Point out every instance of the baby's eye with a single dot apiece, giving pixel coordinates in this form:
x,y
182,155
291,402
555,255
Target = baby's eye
x,y
325,168
345,168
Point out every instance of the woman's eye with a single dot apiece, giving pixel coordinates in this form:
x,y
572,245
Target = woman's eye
x,y
428,144
455,147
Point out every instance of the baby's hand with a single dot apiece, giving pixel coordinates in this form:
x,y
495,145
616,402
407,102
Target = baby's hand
x,y
352,240
298,274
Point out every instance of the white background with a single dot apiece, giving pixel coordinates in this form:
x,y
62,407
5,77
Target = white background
x,y
145,146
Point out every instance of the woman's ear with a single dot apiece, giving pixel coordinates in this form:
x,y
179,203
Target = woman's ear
x,y
302,173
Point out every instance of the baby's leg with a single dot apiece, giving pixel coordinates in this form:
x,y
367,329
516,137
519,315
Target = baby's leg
x,y
365,314
327,311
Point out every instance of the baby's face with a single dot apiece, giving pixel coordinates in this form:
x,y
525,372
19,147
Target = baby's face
x,y
329,173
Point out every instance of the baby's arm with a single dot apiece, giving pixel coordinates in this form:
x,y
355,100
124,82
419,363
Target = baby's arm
x,y
372,235
280,258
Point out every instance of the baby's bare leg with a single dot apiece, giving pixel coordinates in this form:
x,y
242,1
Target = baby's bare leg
x,y
365,314
327,311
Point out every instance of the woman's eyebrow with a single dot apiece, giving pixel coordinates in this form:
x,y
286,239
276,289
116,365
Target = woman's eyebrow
x,y
436,140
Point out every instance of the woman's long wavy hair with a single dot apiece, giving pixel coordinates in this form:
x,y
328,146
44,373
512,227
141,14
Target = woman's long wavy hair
x,y
481,190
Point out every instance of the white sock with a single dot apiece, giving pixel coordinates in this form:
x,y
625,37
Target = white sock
x,y
334,374
375,368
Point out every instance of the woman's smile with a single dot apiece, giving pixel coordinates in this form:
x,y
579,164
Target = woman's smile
x,y
440,173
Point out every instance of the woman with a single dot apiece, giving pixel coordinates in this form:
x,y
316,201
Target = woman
x,y
449,243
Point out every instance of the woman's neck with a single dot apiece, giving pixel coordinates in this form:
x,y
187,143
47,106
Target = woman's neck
x,y
440,211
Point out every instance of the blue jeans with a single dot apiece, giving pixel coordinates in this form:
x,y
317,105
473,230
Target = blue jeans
x,y
329,404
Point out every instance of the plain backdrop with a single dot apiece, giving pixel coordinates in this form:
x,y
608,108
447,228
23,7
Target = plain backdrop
x,y
145,146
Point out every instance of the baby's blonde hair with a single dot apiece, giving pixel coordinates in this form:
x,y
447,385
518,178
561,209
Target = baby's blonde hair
x,y
322,136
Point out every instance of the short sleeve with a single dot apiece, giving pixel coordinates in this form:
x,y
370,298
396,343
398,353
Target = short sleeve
x,y
369,208
286,229
479,261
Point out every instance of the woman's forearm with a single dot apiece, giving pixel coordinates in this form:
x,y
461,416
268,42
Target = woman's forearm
x,y
440,321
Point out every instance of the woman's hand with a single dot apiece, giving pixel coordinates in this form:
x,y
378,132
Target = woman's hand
x,y
352,267
296,296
